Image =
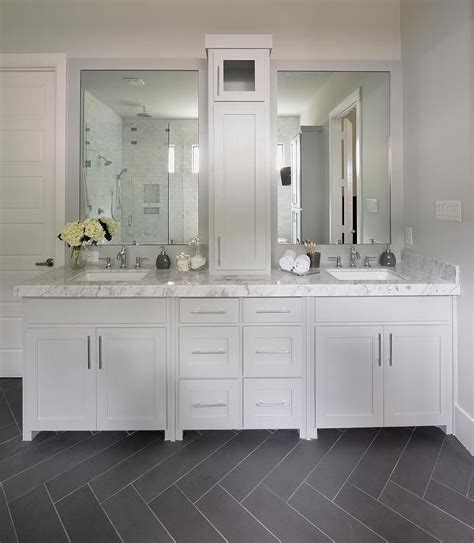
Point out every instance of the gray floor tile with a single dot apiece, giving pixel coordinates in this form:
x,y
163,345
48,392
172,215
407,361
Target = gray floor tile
x,y
450,501
81,474
290,473
84,518
8,432
382,520
182,519
454,466
34,455
10,382
36,475
414,508
283,521
330,518
35,518
130,469
15,401
331,473
6,416
17,445
375,468
214,468
133,519
235,523
471,490
247,475
418,460
7,532
169,471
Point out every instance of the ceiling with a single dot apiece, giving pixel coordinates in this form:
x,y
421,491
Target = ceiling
x,y
166,93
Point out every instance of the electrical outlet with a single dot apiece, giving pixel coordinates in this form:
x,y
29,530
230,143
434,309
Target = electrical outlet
x,y
448,210
409,235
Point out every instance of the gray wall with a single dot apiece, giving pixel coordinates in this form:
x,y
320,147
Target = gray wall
x,y
437,59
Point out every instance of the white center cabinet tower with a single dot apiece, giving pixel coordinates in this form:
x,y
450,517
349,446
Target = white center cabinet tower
x,y
239,153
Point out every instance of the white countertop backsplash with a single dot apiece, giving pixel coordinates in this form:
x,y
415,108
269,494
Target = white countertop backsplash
x,y
420,276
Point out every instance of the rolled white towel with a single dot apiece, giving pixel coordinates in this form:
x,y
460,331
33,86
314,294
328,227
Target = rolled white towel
x,y
287,260
302,264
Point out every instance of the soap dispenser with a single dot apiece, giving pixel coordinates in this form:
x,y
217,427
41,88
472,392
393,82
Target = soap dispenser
x,y
163,260
387,258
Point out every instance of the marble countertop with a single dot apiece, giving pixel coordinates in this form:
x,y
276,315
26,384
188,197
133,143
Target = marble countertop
x,y
62,282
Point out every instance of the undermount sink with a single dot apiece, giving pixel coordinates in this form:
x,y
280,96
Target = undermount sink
x,y
365,274
111,275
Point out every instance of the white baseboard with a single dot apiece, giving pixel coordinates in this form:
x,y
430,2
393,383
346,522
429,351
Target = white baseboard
x,y
464,428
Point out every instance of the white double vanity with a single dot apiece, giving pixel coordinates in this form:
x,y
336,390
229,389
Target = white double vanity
x,y
245,346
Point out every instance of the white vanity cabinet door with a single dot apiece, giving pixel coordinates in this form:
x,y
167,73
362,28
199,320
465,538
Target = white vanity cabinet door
x,y
131,379
60,379
240,188
239,75
417,375
349,376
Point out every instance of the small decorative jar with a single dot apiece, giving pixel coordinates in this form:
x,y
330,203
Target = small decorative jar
x,y
198,260
183,263
78,258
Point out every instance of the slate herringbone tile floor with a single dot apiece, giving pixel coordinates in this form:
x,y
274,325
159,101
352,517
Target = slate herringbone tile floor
x,y
361,485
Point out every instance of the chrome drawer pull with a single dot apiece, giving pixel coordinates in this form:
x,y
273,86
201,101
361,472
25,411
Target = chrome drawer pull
x,y
281,351
88,352
198,351
380,349
282,310
390,356
273,404
204,312
100,352
199,405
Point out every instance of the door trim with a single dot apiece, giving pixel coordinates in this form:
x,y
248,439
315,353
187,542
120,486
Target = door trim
x,y
56,63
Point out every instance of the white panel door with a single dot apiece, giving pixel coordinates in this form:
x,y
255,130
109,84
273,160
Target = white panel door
x,y
27,195
60,379
131,379
349,376
416,374
240,187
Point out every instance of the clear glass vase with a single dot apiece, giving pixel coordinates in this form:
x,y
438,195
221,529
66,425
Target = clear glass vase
x,y
77,260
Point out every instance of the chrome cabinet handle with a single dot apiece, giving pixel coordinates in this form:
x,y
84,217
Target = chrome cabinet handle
x,y
282,310
273,404
390,353
88,352
199,405
205,312
380,348
218,250
281,351
100,352
199,351
49,263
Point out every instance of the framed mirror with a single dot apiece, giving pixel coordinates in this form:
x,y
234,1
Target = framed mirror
x,y
140,153
333,157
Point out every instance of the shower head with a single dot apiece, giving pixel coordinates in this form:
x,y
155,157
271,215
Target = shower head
x,y
119,176
143,113
107,162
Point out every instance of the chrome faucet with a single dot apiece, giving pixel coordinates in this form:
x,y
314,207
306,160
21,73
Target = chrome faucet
x,y
122,256
354,257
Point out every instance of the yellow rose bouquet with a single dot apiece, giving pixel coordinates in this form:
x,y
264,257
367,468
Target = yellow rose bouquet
x,y
89,231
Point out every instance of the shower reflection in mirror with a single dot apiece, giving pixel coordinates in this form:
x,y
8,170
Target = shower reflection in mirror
x,y
332,156
140,153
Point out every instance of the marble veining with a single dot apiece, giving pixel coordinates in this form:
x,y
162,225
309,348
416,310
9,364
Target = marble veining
x,y
63,282
430,266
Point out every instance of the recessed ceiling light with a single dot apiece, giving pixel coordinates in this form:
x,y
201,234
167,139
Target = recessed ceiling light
x,y
134,81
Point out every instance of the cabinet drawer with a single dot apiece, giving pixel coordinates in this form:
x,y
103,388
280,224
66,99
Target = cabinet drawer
x,y
206,351
97,311
273,351
383,309
208,310
272,403
269,310
209,404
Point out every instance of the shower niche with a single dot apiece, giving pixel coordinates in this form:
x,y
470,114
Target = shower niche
x,y
140,153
